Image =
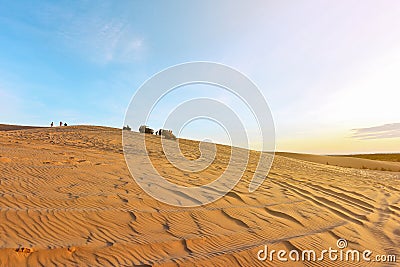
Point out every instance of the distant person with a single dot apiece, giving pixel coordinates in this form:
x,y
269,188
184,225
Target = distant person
x,y
65,124
60,123
52,124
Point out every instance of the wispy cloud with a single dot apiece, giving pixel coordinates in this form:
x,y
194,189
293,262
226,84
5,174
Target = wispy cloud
x,y
106,41
391,130
102,33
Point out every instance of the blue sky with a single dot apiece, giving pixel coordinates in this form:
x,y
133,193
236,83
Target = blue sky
x,y
326,68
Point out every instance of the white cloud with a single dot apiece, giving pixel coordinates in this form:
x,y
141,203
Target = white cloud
x,y
391,130
95,33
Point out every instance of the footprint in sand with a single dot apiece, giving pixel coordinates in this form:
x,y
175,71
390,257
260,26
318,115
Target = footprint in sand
x,y
53,162
24,250
5,160
83,161
71,249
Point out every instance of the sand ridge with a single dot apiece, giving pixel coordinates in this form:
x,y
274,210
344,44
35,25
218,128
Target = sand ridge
x,y
348,162
67,198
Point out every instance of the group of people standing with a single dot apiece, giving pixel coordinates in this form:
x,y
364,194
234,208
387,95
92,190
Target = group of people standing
x,y
166,133
61,124
163,132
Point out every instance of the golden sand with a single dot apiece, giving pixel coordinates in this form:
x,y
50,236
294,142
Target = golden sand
x,y
67,198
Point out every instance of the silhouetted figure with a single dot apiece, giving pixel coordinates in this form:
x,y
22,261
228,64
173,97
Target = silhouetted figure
x,y
65,124
52,124
60,123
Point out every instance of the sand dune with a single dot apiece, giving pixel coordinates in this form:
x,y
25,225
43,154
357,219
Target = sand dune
x,y
67,198
8,127
394,157
348,162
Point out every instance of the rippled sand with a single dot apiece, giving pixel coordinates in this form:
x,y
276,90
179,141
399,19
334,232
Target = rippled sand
x,y
67,198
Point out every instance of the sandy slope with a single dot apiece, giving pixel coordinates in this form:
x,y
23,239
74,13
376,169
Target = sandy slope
x,y
393,157
67,198
8,127
348,162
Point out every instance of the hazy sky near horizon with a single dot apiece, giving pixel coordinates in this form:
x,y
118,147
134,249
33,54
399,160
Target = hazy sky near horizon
x,y
328,69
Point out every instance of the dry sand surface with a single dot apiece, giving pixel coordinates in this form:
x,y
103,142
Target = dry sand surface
x,y
348,162
67,198
394,157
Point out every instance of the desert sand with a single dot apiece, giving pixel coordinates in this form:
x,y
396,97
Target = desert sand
x,y
67,198
346,161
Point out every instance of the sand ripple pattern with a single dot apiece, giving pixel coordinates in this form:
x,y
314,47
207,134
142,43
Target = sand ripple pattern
x,y
67,198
